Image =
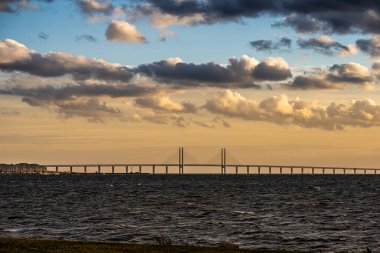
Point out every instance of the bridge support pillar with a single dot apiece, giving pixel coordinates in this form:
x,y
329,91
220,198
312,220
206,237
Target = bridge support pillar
x,y
323,171
154,169
312,171
355,171
281,170
166,169
365,172
291,170
223,161
71,169
113,169
99,169
236,169
270,170
126,169
302,170
248,170
85,169
334,171
259,170
140,169
56,169
180,160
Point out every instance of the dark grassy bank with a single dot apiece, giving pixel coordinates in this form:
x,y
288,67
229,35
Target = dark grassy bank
x,y
13,245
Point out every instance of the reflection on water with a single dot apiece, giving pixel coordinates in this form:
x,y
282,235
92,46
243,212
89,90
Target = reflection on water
x,y
322,213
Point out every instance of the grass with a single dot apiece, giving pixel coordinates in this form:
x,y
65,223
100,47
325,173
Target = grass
x,y
23,245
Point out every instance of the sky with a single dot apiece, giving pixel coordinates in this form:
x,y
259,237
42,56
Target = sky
x,y
275,82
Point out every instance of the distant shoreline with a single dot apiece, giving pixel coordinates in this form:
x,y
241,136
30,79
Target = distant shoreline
x,y
26,245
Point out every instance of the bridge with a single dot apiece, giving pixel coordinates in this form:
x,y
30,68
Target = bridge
x,y
178,167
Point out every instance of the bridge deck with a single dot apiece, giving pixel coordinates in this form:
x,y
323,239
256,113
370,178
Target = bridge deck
x,y
250,168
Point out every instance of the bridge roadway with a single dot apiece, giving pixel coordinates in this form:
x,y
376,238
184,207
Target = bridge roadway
x,y
249,168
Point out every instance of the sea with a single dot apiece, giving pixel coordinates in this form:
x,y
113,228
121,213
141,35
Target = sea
x,y
318,213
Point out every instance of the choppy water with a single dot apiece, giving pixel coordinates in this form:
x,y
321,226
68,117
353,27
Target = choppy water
x,y
317,212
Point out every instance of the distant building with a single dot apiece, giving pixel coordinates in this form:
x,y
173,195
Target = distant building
x,y
22,168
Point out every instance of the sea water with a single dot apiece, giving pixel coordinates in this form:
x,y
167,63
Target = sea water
x,y
294,212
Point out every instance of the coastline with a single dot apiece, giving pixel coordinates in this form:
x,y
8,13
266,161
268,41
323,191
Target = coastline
x,y
31,245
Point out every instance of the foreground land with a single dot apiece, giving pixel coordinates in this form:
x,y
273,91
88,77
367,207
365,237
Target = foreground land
x,y
13,245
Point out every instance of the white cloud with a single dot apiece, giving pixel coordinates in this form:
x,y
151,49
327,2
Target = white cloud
x,y
125,32
162,21
281,110
351,49
12,51
164,103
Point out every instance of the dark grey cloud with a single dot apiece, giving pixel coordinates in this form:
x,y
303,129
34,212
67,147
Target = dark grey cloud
x,y
338,76
376,69
272,69
47,94
339,16
86,37
9,5
362,21
370,46
323,45
208,72
239,73
301,23
78,100
376,66
285,42
214,10
43,36
190,74
263,45
15,5
350,73
173,73
59,64
313,83
16,57
92,109
269,45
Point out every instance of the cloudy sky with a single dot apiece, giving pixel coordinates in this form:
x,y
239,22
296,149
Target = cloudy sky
x,y
275,81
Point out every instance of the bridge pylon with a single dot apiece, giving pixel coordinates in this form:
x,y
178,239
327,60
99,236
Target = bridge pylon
x,y
180,160
223,161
